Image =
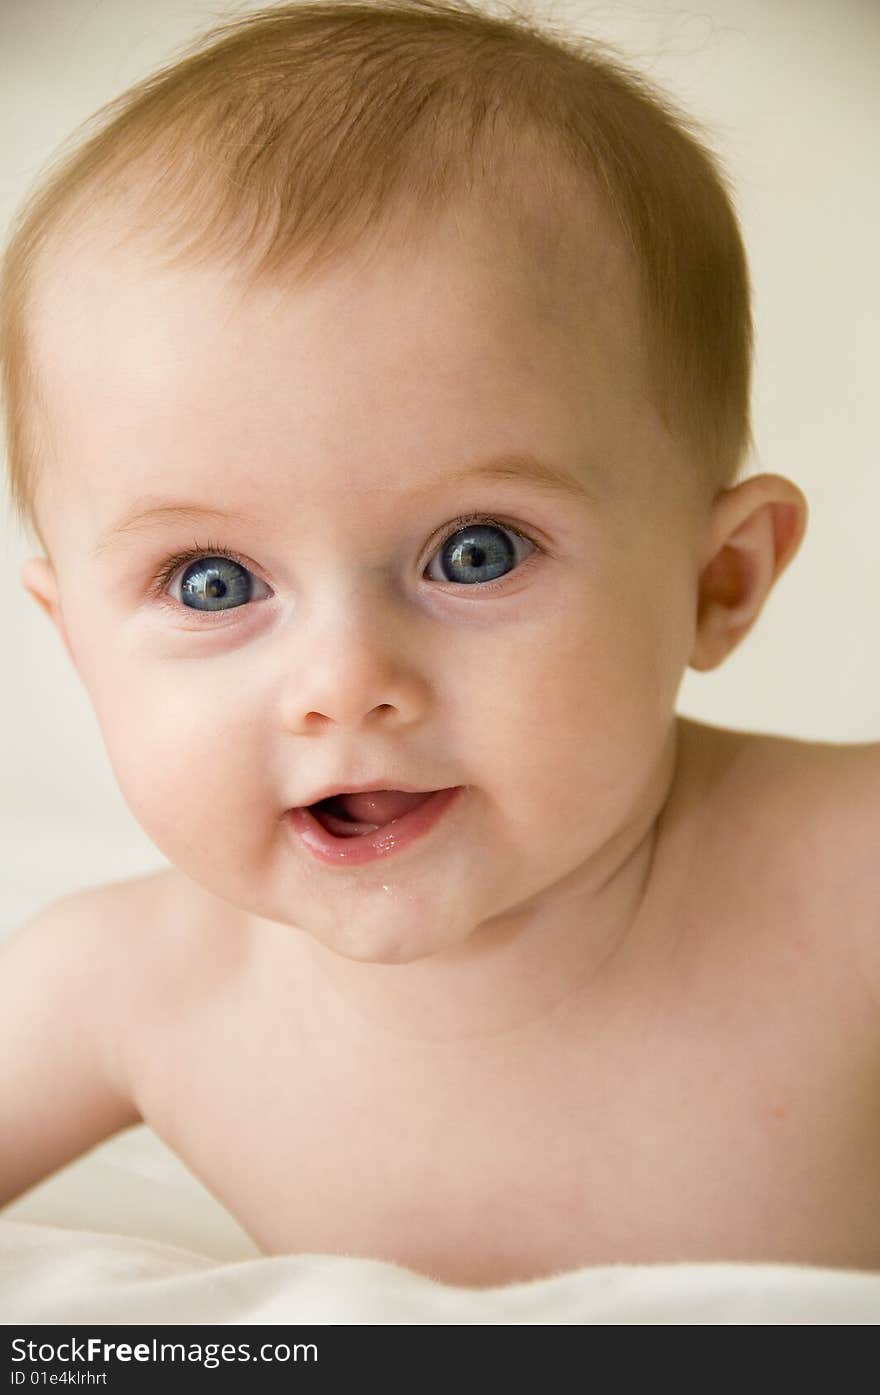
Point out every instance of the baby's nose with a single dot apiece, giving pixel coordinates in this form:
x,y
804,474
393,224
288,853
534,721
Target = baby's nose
x,y
355,671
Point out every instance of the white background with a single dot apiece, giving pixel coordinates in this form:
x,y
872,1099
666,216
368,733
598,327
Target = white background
x,y
788,90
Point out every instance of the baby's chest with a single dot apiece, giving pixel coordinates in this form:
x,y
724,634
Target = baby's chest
x,y
712,1148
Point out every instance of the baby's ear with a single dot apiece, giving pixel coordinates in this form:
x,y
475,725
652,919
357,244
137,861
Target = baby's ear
x,y
755,531
39,579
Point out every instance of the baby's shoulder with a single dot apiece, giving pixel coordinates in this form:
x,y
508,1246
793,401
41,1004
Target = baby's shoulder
x,y
803,816
178,956
176,937
817,800
146,944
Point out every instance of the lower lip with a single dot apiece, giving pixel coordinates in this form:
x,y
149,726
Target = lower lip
x,y
391,838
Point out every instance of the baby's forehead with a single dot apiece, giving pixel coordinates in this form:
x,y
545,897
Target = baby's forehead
x,y
552,246
115,314
124,337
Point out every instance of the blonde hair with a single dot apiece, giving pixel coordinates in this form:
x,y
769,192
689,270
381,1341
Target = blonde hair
x,y
282,138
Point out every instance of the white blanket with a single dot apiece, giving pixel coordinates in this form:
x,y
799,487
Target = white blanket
x,y
127,1235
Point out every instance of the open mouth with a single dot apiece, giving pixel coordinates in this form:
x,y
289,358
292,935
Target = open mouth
x,y
353,829
353,815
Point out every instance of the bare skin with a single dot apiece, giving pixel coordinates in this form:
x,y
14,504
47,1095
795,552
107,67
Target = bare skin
x,y
606,1010
710,1092
707,1093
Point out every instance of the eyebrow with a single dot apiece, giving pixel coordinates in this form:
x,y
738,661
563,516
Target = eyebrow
x,y
148,514
509,468
526,469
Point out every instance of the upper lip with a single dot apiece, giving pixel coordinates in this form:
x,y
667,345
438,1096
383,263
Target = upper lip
x,y
331,790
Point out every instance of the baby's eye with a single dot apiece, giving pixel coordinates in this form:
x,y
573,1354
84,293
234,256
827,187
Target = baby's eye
x,y
216,583
480,552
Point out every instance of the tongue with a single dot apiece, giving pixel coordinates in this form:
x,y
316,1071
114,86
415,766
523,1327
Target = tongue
x,y
379,806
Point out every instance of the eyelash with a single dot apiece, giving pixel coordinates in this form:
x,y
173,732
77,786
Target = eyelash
x,y
215,549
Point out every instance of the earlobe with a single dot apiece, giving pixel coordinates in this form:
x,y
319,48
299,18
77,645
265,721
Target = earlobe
x,y
39,580
755,532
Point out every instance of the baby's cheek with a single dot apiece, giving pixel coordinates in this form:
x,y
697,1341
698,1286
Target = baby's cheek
x,y
181,760
585,716
584,677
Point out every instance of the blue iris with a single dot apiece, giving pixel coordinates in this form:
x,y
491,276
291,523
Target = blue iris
x,y
211,581
476,550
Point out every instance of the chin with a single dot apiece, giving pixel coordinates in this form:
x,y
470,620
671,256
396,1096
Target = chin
x,y
383,944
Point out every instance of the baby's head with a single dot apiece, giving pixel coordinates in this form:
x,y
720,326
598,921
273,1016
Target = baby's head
x,y
434,330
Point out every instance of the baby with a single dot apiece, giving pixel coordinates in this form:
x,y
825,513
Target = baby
x,y
377,378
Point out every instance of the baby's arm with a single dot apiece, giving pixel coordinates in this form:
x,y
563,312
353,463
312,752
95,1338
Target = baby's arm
x,y
62,1088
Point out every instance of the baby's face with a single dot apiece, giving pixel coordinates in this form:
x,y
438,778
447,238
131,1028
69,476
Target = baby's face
x,y
321,446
